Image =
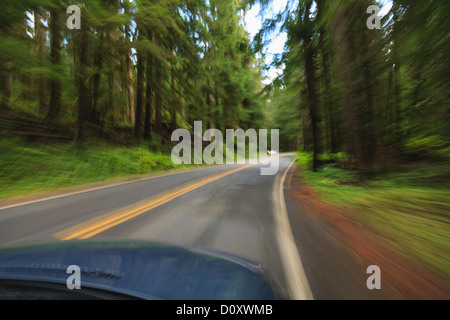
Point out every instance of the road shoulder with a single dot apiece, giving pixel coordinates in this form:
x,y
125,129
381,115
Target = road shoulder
x,y
336,251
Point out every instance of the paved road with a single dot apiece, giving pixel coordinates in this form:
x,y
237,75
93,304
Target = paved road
x,y
231,208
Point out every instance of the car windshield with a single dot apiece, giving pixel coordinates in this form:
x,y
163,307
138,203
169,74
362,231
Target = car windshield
x,y
224,150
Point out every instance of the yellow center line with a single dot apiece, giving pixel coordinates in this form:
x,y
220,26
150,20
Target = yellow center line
x,y
109,223
106,221
101,223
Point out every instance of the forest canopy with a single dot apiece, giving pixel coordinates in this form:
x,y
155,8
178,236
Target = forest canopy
x,y
137,70
378,95
153,65
362,109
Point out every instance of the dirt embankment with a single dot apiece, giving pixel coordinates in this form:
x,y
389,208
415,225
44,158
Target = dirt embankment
x,y
402,277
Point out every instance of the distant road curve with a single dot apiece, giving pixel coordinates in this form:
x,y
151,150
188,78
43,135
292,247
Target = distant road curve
x,y
230,208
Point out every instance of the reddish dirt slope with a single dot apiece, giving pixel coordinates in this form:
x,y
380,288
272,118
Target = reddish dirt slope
x,y
402,277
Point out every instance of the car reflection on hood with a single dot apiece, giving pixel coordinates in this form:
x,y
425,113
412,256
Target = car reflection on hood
x,y
131,269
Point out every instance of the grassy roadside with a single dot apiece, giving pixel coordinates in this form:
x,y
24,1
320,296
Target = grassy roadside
x,y
412,208
30,169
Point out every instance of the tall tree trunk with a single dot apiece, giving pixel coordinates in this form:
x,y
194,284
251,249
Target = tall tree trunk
x,y
98,69
209,104
397,84
84,84
182,108
25,79
113,79
358,95
332,135
306,130
158,97
345,58
54,107
305,120
148,98
173,102
5,72
139,94
129,80
370,122
130,90
313,105
41,50
6,81
219,116
386,129
311,81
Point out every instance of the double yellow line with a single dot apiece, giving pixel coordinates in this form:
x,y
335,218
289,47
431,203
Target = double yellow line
x,y
106,221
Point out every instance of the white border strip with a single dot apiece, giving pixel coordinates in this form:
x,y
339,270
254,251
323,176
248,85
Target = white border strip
x,y
89,189
297,282
68,194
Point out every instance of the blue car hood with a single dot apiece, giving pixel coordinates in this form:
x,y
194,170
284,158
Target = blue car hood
x,y
142,270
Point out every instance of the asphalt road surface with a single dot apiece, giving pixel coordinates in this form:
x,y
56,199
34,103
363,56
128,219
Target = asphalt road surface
x,y
230,208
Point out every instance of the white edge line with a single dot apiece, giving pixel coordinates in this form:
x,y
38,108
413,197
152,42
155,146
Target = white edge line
x,y
68,194
295,275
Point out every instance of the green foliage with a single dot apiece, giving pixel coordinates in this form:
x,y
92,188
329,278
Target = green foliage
x,y
411,208
304,159
376,95
433,146
331,174
197,64
340,157
32,169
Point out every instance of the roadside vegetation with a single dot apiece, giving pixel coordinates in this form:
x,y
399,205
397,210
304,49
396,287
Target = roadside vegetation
x,y
29,168
410,206
368,108
85,106
369,112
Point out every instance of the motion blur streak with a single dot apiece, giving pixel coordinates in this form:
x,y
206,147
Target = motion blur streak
x,y
92,227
